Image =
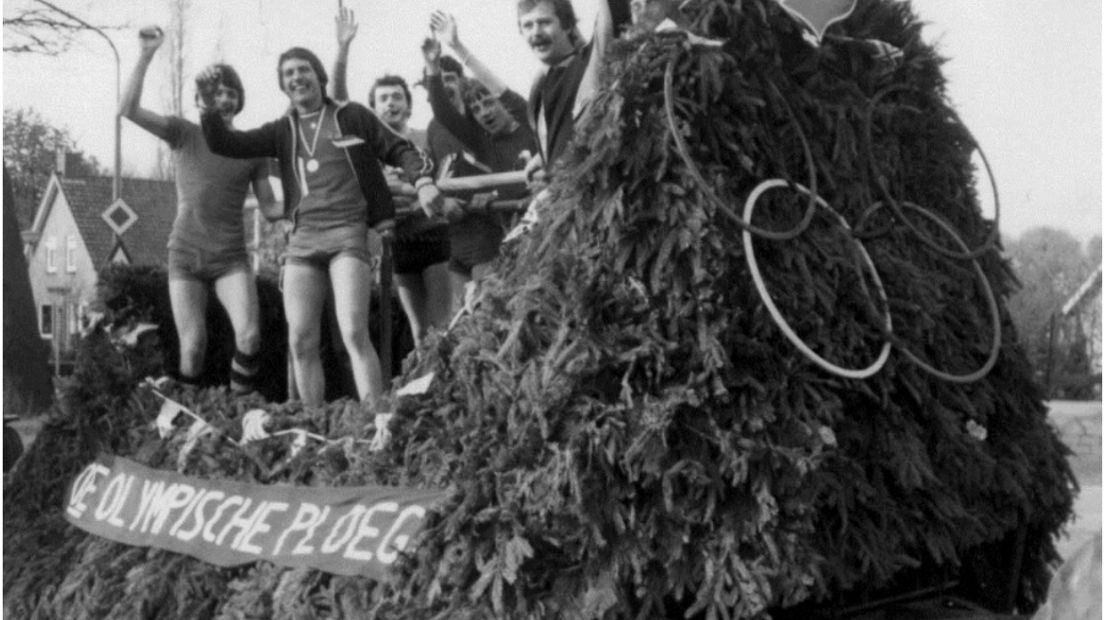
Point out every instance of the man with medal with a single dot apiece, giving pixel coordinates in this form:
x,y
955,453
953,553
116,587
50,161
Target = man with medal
x,y
329,159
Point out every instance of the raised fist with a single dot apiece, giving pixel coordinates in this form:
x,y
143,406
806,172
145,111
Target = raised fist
x,y
431,50
207,84
151,37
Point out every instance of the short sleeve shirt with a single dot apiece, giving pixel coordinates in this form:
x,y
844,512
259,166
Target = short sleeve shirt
x,y
210,191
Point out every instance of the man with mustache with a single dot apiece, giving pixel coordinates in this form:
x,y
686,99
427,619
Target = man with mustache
x,y
569,77
207,242
488,126
330,156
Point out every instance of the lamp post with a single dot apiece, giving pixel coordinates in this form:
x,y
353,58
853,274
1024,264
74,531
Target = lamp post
x,y
116,187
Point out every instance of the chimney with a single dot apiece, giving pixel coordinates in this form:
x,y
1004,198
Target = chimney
x,y
61,160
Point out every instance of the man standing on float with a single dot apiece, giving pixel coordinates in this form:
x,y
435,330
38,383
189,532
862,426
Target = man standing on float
x,y
207,242
329,155
569,77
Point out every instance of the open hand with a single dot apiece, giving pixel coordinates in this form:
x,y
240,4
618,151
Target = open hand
x,y
346,26
444,28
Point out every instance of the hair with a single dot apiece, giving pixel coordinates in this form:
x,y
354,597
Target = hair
x,y
473,90
562,9
451,65
303,53
389,80
229,78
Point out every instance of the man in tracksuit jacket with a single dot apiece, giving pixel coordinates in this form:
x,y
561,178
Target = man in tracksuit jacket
x,y
334,190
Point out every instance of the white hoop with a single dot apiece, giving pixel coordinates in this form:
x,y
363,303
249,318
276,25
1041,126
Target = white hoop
x,y
761,286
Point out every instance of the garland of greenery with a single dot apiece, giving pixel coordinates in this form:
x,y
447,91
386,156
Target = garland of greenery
x,y
622,429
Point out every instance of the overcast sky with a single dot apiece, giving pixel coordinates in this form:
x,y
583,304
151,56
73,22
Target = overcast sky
x,y
1025,76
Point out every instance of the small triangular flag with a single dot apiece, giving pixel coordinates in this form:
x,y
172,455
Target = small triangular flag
x,y
165,418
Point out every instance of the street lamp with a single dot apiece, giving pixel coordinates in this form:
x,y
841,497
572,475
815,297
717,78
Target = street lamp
x,y
116,187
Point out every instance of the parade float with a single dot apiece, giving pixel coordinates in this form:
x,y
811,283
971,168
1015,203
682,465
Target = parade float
x,y
753,360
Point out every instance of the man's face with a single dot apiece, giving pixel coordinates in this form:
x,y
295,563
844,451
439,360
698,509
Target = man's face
x,y
391,104
491,114
301,84
227,100
544,34
452,81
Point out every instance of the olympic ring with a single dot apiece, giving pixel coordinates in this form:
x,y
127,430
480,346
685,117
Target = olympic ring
x,y
692,168
967,254
994,309
764,294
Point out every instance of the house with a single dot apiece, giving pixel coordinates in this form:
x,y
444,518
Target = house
x,y
78,230
1080,317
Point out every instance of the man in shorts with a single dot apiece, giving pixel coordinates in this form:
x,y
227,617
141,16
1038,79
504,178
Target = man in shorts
x,y
207,242
421,248
330,157
491,126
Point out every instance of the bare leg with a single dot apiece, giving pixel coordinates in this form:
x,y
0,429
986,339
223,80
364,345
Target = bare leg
x,y
237,291
458,283
189,307
352,286
304,296
412,296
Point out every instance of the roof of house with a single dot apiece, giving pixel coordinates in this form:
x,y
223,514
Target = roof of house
x,y
1088,290
154,202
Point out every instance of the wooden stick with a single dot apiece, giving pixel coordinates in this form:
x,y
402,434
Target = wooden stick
x,y
481,182
386,267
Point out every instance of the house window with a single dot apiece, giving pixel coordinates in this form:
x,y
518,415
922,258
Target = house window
x,y
74,317
71,253
51,255
46,320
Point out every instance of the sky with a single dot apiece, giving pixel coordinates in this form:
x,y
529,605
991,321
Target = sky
x,y
1024,76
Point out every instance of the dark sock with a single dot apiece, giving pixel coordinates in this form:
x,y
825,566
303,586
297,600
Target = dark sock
x,y
243,372
185,380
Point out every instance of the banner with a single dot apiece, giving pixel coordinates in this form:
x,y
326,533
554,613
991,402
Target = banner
x,y
345,530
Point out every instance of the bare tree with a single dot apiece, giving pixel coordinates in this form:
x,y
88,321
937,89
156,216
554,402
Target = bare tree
x,y
176,43
40,29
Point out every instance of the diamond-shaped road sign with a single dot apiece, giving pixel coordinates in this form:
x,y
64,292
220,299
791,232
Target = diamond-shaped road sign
x,y
119,217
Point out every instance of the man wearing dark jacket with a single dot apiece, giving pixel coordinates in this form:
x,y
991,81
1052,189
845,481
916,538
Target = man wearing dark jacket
x,y
334,189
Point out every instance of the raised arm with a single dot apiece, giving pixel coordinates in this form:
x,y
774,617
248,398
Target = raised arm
x,y
151,38
613,15
444,28
464,128
222,140
346,32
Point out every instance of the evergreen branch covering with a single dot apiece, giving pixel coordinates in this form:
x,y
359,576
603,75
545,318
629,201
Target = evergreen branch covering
x,y
623,430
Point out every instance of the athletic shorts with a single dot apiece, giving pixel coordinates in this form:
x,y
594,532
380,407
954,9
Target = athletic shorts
x,y
474,239
191,263
314,247
415,253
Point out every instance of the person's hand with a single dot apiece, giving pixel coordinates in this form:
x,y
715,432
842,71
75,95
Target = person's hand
x,y
535,176
150,38
452,209
346,26
430,199
431,50
444,28
207,84
482,201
